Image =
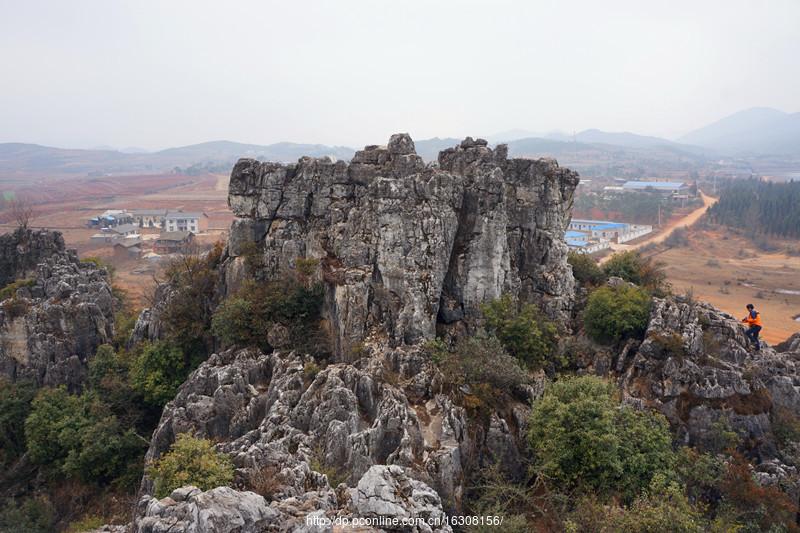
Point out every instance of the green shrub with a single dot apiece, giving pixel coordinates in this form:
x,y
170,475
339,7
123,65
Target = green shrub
x,y
190,461
32,515
245,317
482,360
584,440
663,507
158,371
616,313
109,375
477,369
523,331
187,314
10,290
635,268
785,425
494,494
15,405
78,437
87,523
585,269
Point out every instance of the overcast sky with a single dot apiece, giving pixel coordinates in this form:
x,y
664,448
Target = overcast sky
x,y
158,73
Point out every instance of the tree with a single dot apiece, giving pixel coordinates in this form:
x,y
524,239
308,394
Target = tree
x,y
15,404
616,313
78,437
585,269
633,267
584,440
23,212
190,461
32,515
158,371
245,317
523,331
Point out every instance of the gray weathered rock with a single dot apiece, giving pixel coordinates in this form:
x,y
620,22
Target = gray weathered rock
x,y
697,367
219,510
405,246
387,492
57,323
23,249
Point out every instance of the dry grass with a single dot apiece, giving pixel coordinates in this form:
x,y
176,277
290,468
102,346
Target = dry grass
x,y
734,273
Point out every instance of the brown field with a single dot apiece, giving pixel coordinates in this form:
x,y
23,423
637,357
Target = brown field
x,y
66,204
729,272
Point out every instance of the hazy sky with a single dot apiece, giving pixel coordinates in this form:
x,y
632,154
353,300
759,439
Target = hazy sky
x,y
164,73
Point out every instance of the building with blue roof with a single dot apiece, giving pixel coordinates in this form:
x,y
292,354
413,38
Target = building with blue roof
x,y
588,230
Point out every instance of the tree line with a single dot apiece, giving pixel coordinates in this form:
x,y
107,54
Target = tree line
x,y
760,207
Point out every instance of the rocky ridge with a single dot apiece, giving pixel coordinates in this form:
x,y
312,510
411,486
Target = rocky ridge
x,y
408,248
50,327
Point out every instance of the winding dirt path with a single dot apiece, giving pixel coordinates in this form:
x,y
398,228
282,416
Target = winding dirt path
x,y
667,230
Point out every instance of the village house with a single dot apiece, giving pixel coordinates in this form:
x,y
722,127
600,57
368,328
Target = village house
x,y
110,218
125,230
128,249
181,221
149,218
170,242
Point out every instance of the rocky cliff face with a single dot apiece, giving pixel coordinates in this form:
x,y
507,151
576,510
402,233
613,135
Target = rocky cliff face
x,y
404,246
50,328
22,250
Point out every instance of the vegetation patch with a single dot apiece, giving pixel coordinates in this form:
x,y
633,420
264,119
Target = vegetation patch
x,y
190,461
584,440
613,314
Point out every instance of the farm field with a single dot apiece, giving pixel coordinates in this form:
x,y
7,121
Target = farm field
x,y
729,272
66,204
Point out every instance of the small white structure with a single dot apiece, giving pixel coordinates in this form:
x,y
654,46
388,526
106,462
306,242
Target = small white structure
x,y
618,232
583,242
149,218
126,230
180,221
661,187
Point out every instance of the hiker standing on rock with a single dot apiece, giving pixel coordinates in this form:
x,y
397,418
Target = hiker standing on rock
x,y
753,319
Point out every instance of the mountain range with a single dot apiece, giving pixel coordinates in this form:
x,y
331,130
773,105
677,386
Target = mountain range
x,y
755,131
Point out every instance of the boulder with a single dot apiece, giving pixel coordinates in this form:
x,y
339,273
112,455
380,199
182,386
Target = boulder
x,y
219,510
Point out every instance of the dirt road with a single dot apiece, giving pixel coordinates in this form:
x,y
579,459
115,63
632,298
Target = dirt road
x,y
661,236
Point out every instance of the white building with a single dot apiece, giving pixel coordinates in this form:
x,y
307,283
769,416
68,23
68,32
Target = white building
x,y
149,218
180,221
661,187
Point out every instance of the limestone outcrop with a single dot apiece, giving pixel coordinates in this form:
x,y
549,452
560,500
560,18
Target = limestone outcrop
x,y
23,249
697,367
50,327
219,510
314,429
407,247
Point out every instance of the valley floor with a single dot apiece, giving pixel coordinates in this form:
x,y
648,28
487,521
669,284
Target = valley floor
x,y
729,272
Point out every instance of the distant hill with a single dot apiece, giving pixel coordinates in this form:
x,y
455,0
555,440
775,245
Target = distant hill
x,y
599,142
33,158
760,130
429,149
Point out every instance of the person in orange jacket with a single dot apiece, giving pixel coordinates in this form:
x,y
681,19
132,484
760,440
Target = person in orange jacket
x,y
753,320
